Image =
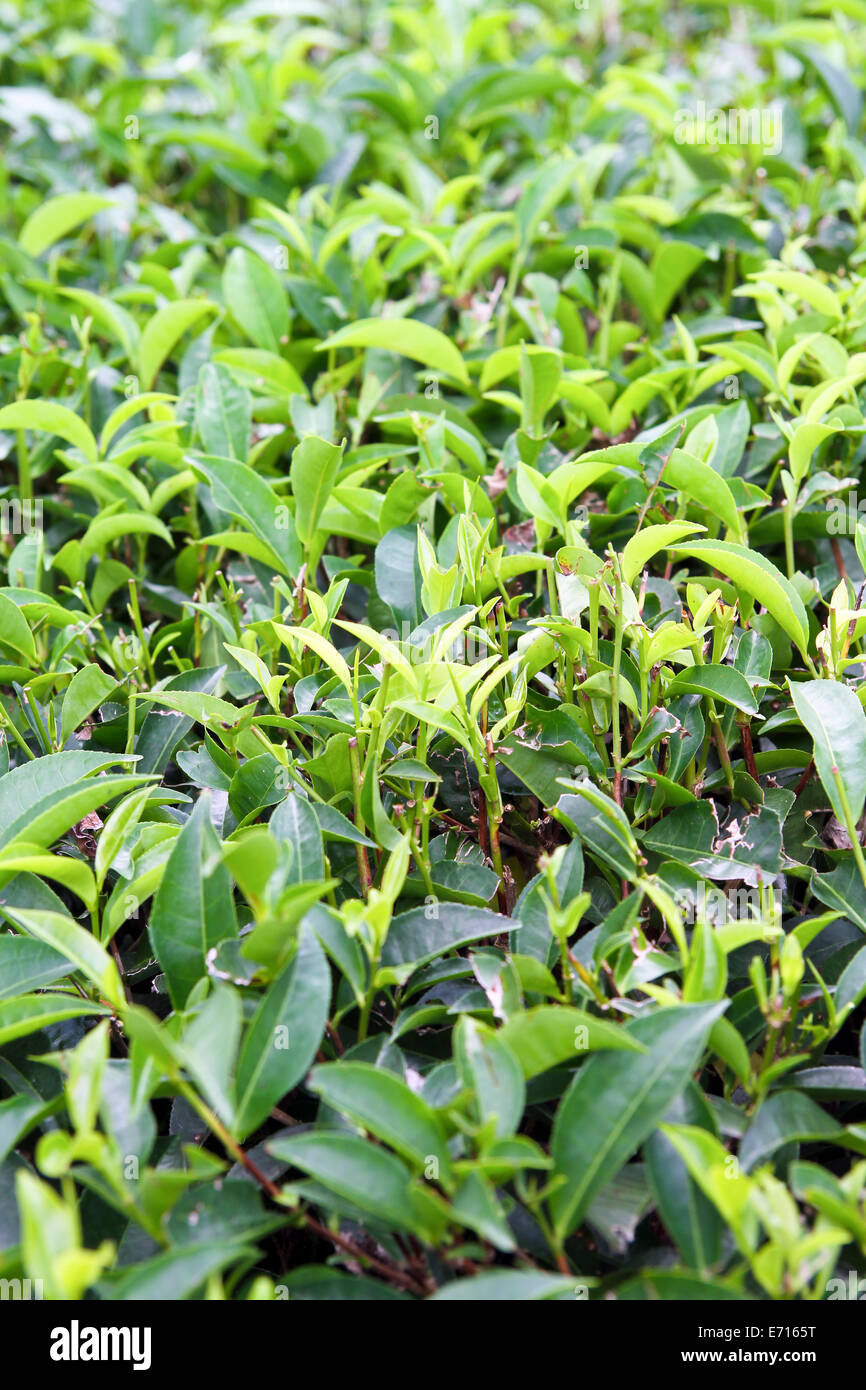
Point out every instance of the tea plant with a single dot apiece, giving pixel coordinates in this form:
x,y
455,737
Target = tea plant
x,y
432,651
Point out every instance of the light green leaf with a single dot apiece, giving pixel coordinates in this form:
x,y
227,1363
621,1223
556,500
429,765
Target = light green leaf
x,y
256,299
18,1017
833,716
54,218
81,949
408,338
552,1033
758,578
314,467
50,419
647,543
163,332
89,688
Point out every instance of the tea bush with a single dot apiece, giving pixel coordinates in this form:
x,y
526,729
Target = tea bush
x,y
433,665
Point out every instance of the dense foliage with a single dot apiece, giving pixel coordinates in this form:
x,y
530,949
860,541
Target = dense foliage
x,y
433,666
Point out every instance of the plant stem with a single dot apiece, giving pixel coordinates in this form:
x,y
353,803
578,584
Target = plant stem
x,y
748,751
9,726
721,747
130,725
616,736
788,528
360,850
25,485
135,614
367,1006
850,824
216,1126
